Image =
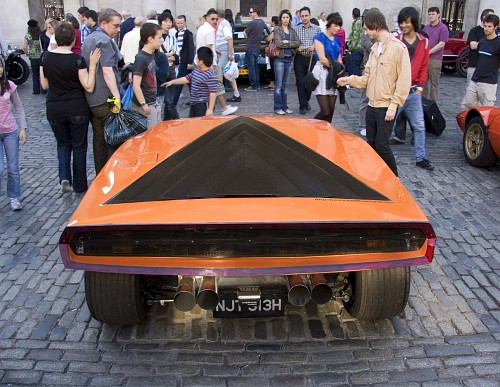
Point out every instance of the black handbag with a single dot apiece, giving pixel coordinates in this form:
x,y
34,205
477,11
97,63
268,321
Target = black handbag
x,y
310,81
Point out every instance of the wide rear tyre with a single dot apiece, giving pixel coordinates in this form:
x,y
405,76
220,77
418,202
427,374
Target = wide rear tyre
x,y
379,294
115,298
476,145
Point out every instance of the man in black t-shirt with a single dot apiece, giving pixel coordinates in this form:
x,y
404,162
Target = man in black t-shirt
x,y
482,89
475,35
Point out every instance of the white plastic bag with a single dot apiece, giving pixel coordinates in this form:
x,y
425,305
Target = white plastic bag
x,y
231,71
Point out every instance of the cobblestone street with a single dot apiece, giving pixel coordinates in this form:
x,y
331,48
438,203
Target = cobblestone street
x,y
449,334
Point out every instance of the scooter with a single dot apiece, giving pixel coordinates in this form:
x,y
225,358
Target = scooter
x,y
18,70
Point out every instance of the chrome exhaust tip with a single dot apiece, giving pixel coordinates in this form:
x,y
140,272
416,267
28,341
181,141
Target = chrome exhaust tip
x,y
298,292
184,298
321,292
207,297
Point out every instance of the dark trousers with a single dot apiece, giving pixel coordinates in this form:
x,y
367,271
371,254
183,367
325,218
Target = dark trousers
x,y
170,111
301,68
35,73
378,131
198,109
102,152
71,136
182,71
354,62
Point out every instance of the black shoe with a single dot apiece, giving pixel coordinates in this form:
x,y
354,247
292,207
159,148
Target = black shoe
x,y
425,165
234,99
396,141
303,111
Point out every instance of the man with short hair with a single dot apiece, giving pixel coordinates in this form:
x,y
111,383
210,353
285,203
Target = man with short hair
x,y
128,24
152,16
296,19
438,36
90,19
225,51
84,30
354,44
106,84
475,35
186,51
205,36
306,32
387,79
255,31
482,89
412,111
130,43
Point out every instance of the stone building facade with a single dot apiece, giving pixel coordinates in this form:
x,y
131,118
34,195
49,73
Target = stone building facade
x,y
15,14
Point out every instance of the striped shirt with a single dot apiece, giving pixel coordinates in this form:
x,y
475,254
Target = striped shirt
x,y
180,40
306,36
203,82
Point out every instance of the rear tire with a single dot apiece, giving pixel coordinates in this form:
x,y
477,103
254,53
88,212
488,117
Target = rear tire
x,y
114,298
476,144
463,63
379,294
18,71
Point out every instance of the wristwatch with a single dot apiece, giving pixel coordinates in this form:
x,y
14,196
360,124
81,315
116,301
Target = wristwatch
x,y
143,104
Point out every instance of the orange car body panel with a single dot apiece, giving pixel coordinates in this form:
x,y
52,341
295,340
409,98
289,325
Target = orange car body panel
x,y
142,153
491,118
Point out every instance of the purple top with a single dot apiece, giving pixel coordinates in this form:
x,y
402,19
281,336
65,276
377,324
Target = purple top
x,y
437,33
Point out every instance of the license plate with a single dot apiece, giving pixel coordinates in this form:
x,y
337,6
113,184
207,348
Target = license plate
x,y
243,71
270,304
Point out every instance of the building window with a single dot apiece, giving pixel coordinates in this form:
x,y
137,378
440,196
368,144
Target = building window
x,y
245,6
53,9
453,15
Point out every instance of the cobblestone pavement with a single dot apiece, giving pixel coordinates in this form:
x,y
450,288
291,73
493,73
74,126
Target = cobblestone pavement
x,y
448,336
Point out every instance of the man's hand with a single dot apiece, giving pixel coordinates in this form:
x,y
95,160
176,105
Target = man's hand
x,y
210,112
342,81
166,84
146,109
116,105
390,114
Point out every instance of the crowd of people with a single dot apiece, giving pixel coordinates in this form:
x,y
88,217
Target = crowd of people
x,y
78,62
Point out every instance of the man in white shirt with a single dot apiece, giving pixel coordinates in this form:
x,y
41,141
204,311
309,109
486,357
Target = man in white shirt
x,y
205,36
130,44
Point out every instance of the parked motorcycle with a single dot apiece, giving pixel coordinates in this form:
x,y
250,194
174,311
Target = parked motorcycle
x,y
18,70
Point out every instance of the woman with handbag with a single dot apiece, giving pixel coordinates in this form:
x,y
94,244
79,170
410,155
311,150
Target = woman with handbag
x,y
286,41
326,45
67,110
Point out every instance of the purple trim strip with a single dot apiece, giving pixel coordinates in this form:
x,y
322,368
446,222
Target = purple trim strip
x,y
223,272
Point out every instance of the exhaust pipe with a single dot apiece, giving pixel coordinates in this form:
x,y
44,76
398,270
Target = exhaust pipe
x,y
184,298
298,292
321,292
207,297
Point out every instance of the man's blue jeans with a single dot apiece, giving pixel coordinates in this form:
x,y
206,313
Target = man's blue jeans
x,y
9,144
282,71
252,57
71,137
354,62
413,112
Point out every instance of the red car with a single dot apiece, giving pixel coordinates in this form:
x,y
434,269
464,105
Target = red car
x,y
481,127
456,55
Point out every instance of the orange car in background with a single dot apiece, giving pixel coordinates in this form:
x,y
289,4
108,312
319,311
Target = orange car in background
x,y
241,215
481,127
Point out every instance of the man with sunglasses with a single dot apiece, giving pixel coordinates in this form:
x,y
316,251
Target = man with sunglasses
x,y
255,31
106,82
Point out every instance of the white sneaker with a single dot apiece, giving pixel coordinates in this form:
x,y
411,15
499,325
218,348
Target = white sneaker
x,y
280,112
65,186
229,110
288,111
363,132
15,204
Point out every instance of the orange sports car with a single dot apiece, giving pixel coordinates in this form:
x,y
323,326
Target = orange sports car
x,y
481,127
241,215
